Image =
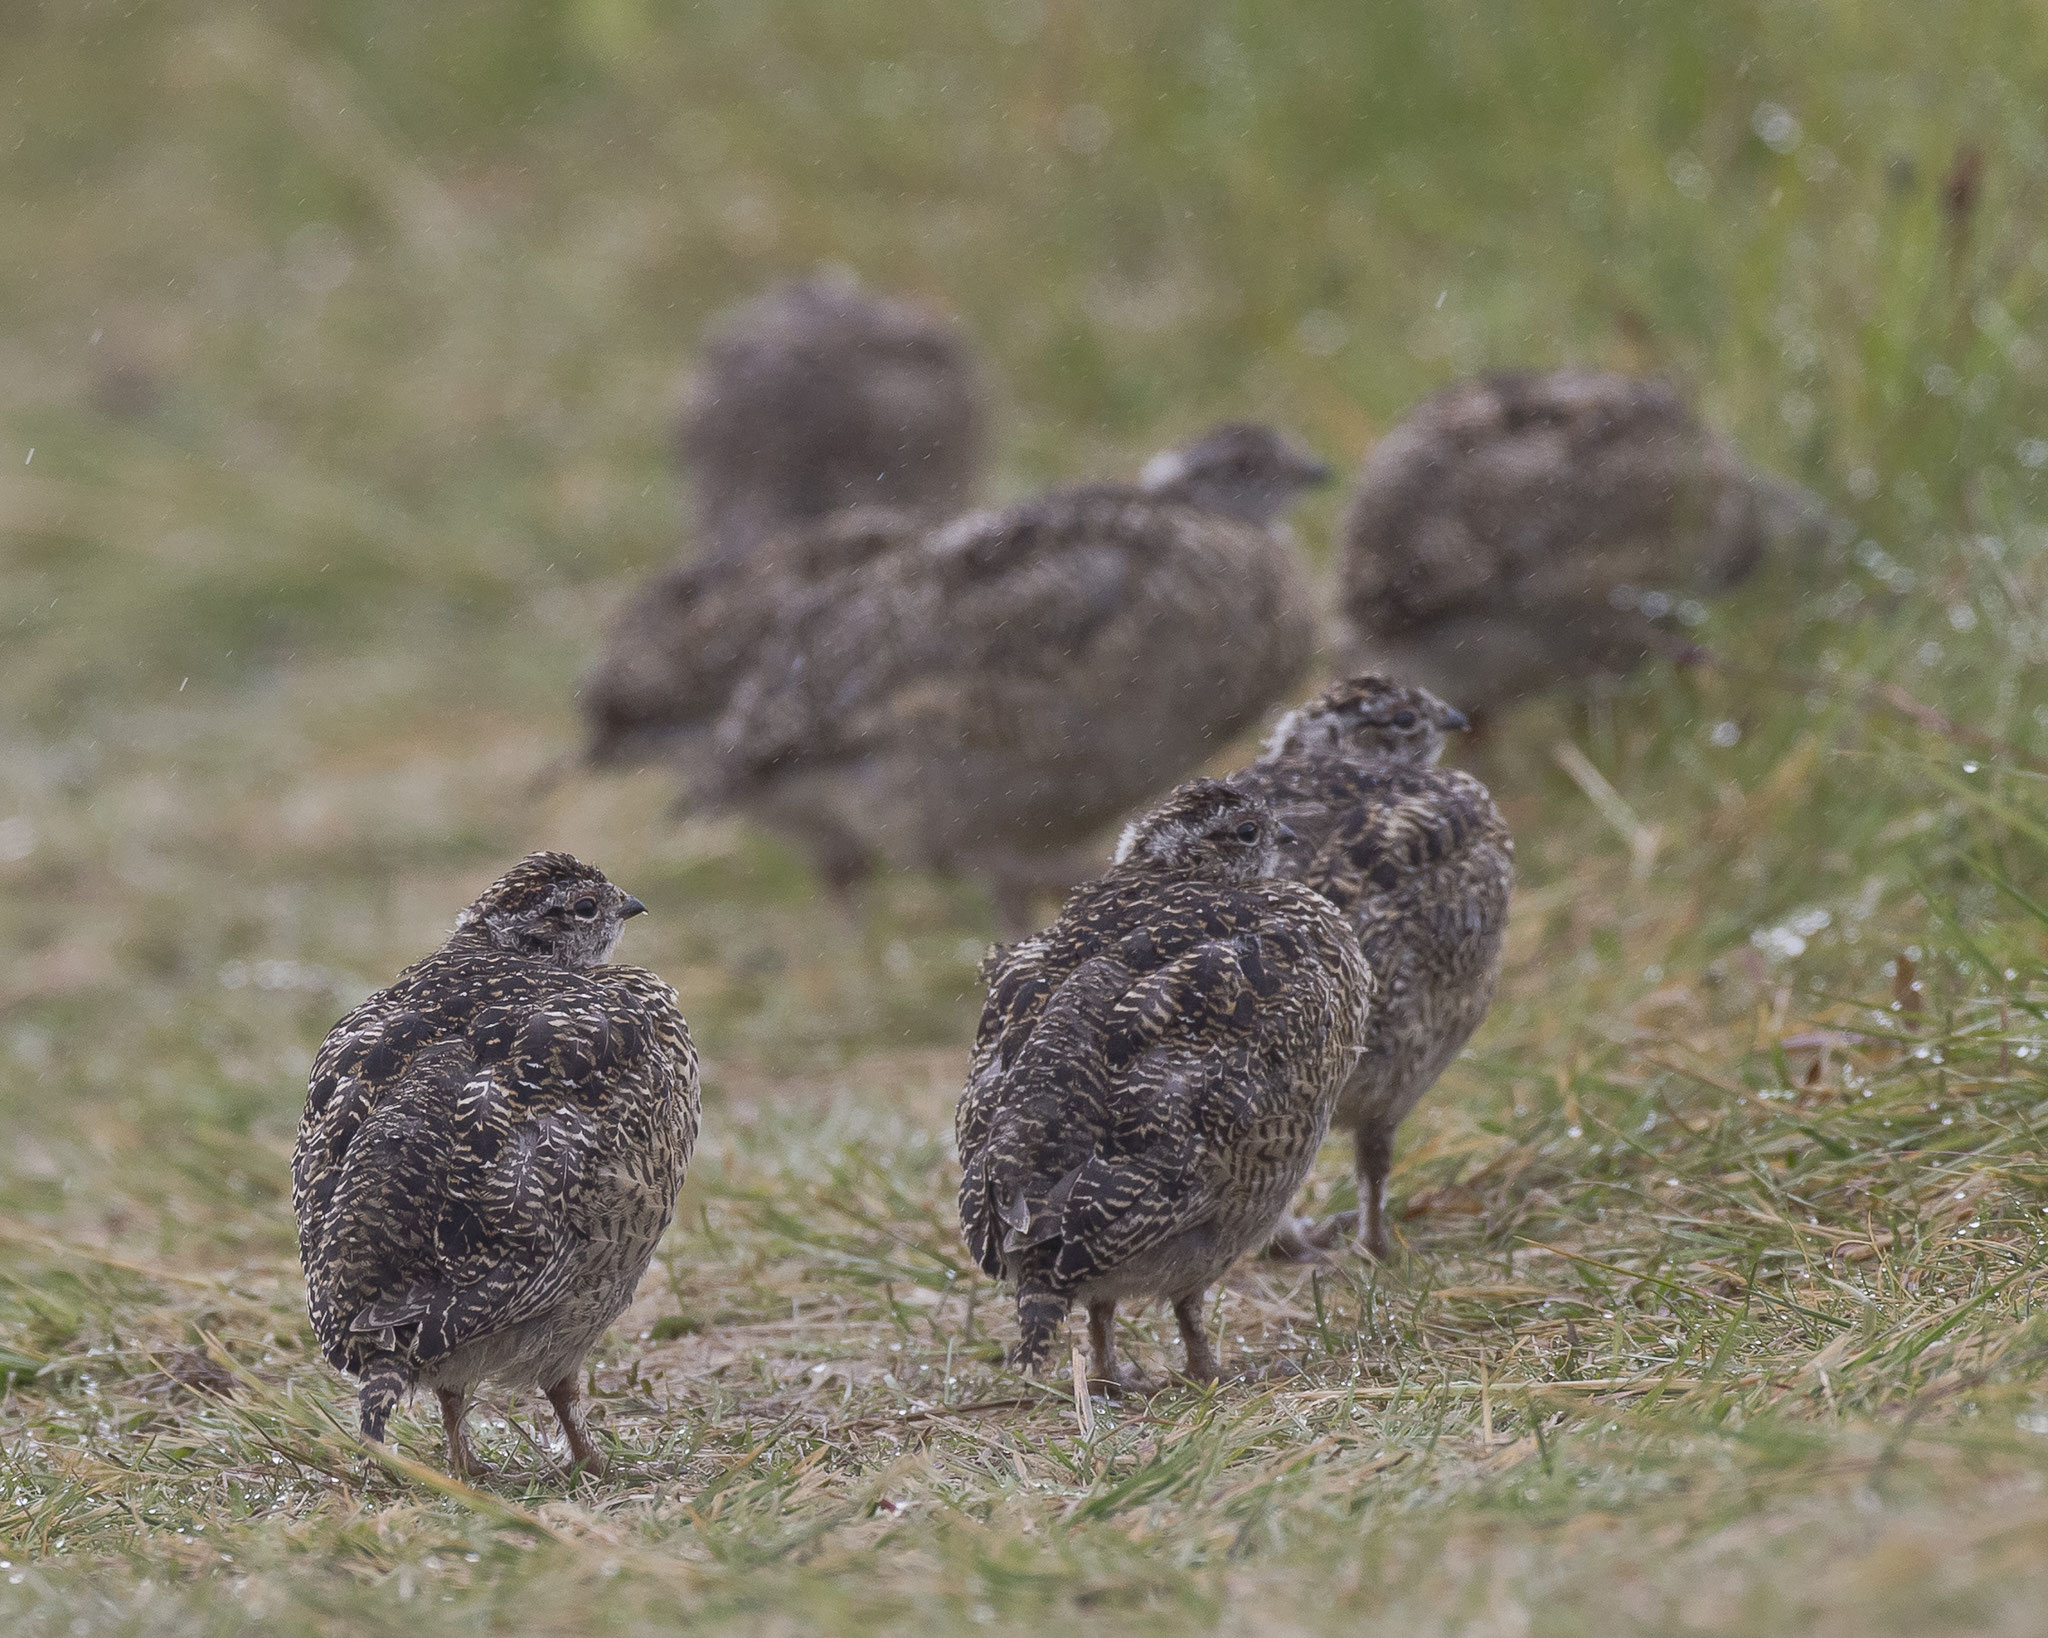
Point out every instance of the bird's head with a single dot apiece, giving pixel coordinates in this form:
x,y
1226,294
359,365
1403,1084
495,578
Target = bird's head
x,y
552,907
1369,719
1244,471
1204,828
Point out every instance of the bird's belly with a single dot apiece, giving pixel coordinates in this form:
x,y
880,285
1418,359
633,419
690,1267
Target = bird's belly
x,y
551,1344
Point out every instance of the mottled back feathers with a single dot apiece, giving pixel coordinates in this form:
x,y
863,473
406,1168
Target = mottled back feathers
x,y
1518,530
491,1145
1153,1072
1420,864
995,692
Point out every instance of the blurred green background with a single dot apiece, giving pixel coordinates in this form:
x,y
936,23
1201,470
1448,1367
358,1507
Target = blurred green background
x,y
339,353
340,346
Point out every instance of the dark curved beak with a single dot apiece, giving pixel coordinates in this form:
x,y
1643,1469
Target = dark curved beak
x,y
1284,834
1455,721
632,907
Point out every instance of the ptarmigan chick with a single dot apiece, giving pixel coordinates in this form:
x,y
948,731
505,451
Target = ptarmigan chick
x,y
988,697
1419,862
815,399
491,1148
1153,1074
685,640
1522,530
819,395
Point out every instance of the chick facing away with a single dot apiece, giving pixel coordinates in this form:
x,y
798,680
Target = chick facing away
x,y
491,1147
1153,1073
1419,863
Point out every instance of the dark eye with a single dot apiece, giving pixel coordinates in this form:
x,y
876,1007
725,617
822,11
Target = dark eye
x,y
1248,831
1404,719
586,909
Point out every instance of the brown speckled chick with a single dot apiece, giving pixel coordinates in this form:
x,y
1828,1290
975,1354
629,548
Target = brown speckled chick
x,y
1153,1074
491,1148
815,399
987,698
819,395
1518,531
1420,863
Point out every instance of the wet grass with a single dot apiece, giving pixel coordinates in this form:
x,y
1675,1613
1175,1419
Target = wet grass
x,y
345,347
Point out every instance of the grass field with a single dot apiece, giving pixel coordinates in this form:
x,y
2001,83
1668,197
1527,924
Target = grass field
x,y
336,360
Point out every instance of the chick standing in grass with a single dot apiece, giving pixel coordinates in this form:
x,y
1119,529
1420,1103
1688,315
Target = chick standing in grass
x,y
1419,862
815,399
490,1150
987,697
1153,1074
1519,531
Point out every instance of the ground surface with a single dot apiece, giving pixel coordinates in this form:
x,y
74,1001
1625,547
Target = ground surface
x,y
344,347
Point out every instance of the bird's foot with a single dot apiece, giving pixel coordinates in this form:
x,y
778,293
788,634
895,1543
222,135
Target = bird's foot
x,y
1124,1379
1303,1240
1291,1242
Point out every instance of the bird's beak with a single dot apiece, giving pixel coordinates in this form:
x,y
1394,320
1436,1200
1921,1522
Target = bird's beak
x,y
1315,472
1455,721
632,907
1284,835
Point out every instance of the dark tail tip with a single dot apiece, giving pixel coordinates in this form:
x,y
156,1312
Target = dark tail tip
x,y
384,1382
1040,1315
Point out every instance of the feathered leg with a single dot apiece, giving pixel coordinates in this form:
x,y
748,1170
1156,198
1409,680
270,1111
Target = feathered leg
x,y
1105,1370
1016,907
1194,1339
462,1460
1373,1157
567,1398
384,1383
1372,1160
1040,1315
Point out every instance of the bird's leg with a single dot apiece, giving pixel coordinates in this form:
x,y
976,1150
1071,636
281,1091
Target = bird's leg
x,y
462,1460
1021,883
1373,1157
844,863
1016,908
1194,1338
1105,1372
567,1398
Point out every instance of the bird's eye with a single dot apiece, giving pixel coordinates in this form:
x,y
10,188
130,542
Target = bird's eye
x,y
586,909
1248,831
1404,719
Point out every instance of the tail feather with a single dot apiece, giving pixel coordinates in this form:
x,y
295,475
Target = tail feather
x,y
1040,1316
385,1380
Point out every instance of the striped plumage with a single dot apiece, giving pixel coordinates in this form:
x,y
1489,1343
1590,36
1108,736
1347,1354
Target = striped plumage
x,y
1153,1074
1419,862
986,698
490,1150
1518,531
